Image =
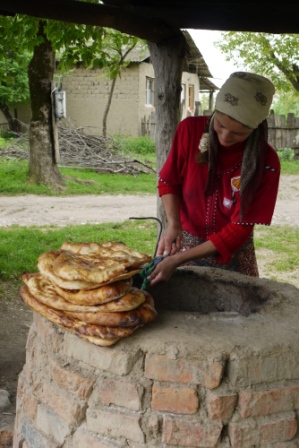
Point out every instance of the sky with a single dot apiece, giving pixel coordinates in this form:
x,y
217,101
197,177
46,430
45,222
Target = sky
x,y
215,60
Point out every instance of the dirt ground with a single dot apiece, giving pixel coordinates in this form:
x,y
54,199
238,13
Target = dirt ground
x,y
15,318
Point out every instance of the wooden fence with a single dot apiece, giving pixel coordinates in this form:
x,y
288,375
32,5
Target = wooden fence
x,y
3,128
283,131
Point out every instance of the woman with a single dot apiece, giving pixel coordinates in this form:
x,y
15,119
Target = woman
x,y
220,179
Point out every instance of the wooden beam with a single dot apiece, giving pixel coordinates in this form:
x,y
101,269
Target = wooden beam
x,y
225,15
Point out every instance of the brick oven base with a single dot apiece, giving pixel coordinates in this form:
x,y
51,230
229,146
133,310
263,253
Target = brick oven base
x,y
219,367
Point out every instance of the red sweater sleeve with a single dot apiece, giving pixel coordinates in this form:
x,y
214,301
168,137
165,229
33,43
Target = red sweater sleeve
x,y
163,188
229,240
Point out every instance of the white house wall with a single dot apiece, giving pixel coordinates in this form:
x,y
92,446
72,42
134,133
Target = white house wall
x,y
144,110
87,95
190,79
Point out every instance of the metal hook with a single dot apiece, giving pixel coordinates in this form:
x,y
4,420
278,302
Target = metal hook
x,y
160,231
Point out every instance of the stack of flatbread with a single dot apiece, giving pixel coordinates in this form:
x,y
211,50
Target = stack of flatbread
x,y
86,288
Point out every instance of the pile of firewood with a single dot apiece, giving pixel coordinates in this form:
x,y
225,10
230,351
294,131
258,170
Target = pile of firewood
x,y
80,150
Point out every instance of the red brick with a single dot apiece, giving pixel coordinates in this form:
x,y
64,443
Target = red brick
x,y
268,402
182,400
221,406
67,408
193,433
263,431
213,374
120,393
77,385
6,437
162,368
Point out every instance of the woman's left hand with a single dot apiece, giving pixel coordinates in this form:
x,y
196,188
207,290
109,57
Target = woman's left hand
x,y
164,270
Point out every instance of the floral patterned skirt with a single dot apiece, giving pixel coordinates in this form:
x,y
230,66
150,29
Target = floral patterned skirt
x,y
243,260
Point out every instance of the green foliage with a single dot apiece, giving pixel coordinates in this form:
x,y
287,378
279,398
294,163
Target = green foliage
x,y
286,154
286,102
13,181
281,246
290,167
273,55
135,145
205,101
4,140
14,59
93,46
13,78
76,43
116,49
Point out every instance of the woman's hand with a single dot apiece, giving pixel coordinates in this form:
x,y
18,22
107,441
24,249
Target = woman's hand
x,y
164,270
166,267
171,241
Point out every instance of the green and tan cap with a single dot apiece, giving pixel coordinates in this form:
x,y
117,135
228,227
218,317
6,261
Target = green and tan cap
x,y
246,97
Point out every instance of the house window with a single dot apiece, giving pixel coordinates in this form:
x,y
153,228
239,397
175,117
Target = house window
x,y
150,91
191,98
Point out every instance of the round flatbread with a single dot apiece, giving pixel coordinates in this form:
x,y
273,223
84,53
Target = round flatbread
x,y
44,291
144,314
69,266
45,266
98,341
71,324
118,252
96,296
112,250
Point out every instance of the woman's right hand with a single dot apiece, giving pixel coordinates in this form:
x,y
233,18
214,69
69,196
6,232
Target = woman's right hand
x,y
171,241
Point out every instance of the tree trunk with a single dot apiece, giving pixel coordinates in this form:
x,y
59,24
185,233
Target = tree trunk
x,y
12,124
110,96
167,60
107,108
43,168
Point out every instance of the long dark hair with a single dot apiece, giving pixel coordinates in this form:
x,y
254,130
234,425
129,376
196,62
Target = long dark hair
x,y
253,162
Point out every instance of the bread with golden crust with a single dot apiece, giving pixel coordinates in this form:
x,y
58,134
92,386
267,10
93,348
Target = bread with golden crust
x,y
42,288
144,314
72,272
97,296
69,266
113,250
45,266
71,324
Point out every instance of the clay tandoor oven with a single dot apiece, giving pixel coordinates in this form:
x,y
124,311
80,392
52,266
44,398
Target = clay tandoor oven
x,y
219,367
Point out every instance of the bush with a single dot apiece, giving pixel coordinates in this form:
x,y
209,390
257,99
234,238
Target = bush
x,y
286,154
135,145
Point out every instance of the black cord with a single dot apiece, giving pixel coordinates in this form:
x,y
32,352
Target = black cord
x,y
160,231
